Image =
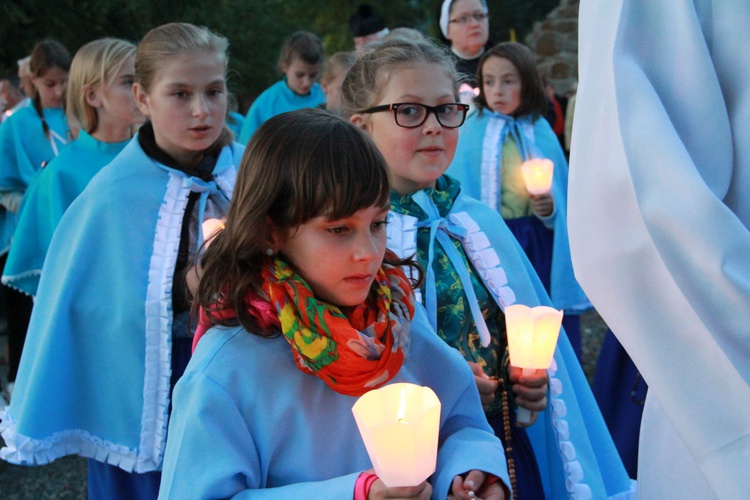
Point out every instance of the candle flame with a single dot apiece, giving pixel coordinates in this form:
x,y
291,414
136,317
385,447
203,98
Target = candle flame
x,y
401,415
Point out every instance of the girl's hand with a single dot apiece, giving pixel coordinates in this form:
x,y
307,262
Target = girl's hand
x,y
193,278
379,490
530,391
463,486
542,204
485,384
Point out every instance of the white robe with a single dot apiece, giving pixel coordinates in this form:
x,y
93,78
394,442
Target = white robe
x,y
659,218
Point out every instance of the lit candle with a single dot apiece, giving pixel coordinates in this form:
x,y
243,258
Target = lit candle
x,y
210,228
399,424
537,174
532,337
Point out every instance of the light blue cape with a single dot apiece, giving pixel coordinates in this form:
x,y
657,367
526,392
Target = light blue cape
x,y
572,446
48,197
95,373
23,149
277,99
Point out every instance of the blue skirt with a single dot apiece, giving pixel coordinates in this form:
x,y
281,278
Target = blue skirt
x,y
620,392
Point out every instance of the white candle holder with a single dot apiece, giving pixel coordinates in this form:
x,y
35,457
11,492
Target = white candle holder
x,y
532,338
537,174
399,424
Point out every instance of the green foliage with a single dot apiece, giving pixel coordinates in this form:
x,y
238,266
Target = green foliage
x,y
255,28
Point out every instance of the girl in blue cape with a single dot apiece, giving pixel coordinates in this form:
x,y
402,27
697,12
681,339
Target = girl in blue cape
x,y
301,58
29,138
508,129
306,311
404,94
109,326
101,105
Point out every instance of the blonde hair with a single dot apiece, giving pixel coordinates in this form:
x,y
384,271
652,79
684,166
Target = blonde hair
x,y
164,42
366,79
95,63
337,63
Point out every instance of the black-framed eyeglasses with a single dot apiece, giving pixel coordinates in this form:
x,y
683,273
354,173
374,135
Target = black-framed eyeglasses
x,y
478,16
414,114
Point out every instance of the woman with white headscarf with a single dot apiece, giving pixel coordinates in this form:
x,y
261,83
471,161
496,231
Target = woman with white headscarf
x,y
466,26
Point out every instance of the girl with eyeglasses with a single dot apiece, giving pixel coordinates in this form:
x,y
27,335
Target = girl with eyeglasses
x,y
508,129
403,94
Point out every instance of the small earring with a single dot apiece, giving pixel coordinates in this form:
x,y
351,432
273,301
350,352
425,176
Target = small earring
x,y
269,251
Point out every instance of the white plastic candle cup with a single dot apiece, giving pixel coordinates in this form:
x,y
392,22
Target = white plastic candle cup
x,y
537,174
399,424
532,337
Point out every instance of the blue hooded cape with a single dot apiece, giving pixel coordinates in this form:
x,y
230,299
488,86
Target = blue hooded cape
x,y
94,378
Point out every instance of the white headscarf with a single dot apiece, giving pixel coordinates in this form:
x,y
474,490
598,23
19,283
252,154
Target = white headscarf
x,y
445,11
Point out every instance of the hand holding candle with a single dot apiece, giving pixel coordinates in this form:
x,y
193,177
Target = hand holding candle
x,y
399,424
532,337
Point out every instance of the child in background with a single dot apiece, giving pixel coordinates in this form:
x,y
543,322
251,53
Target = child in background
x,y
333,76
404,95
301,57
29,138
101,104
506,131
311,312
108,337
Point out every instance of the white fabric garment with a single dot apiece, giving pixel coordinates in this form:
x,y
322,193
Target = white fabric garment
x,y
659,218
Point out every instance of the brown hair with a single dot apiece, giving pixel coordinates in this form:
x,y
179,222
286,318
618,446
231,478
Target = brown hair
x,y
533,100
366,79
46,54
297,166
303,45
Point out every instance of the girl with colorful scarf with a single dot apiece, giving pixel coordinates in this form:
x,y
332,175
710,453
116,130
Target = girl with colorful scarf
x,y
404,95
302,311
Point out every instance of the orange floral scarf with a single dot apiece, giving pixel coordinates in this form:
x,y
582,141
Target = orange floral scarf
x,y
352,352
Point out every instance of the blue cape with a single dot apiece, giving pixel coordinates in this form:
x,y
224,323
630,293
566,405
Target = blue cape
x,y
477,167
48,197
23,149
277,99
95,373
572,446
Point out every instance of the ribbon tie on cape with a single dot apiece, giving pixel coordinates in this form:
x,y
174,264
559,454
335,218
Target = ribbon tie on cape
x,y
441,230
205,188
